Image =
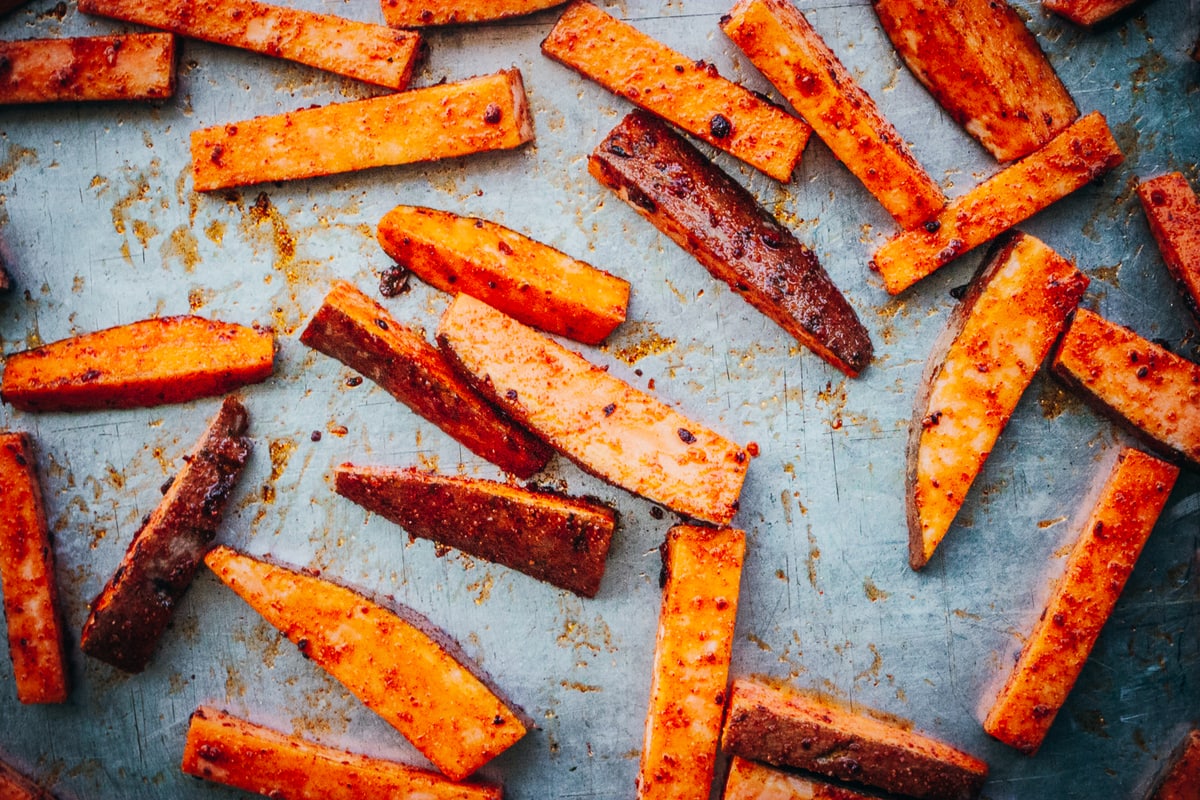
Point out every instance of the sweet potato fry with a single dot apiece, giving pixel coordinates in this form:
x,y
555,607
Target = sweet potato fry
x,y
372,53
231,751
710,215
749,780
1088,13
1081,153
561,540
35,631
421,13
397,664
1137,383
135,66
995,342
147,363
787,728
15,786
688,93
1133,496
1181,781
357,331
703,567
985,68
531,282
443,121
1174,214
597,420
132,612
794,57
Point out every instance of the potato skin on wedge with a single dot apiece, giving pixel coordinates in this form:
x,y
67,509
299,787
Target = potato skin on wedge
x,y
995,341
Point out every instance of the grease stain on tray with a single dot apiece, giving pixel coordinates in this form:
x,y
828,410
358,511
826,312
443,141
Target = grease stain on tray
x,y
642,341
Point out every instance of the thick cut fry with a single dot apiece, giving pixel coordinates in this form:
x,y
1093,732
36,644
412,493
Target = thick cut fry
x,y
372,53
984,67
132,612
1087,12
398,665
703,567
1137,383
357,331
15,786
794,57
597,420
561,540
1182,781
1174,214
35,631
234,752
443,121
711,216
790,729
1081,153
135,66
147,363
994,344
688,93
1133,496
530,281
420,13
749,780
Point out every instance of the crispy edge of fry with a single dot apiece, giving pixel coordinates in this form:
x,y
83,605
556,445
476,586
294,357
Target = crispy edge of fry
x,y
133,66
1088,13
1180,780
15,785
1134,493
27,576
750,780
686,92
1173,211
424,13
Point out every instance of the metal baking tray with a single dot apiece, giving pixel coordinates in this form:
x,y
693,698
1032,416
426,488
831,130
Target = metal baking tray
x,y
101,227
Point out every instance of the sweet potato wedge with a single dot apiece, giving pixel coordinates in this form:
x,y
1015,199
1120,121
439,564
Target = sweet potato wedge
x,y
986,69
690,677
135,66
1152,391
443,121
1081,153
1134,493
749,780
1087,13
688,93
1182,779
231,751
422,13
35,630
132,611
531,282
397,664
372,53
146,363
357,331
15,786
710,215
597,420
787,728
786,49
995,342
561,540
1174,215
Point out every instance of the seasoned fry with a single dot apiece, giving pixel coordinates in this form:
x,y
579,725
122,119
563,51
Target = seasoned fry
x,y
1174,215
443,121
688,93
132,612
984,67
794,57
1087,12
749,780
561,540
399,666
1080,154
531,282
710,215
357,331
1146,387
147,363
1182,780
15,786
135,66
994,344
35,630
597,420
691,662
372,53
790,729
234,752
421,13
1133,496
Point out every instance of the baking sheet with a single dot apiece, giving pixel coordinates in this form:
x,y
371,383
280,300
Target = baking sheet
x,y
101,227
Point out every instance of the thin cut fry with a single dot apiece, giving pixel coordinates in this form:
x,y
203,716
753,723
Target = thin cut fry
x,y
1174,214
749,780
421,13
443,121
1087,12
135,66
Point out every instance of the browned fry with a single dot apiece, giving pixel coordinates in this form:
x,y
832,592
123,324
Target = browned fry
x,y
420,13
1174,213
15,786
1183,778
749,780
135,66
1087,12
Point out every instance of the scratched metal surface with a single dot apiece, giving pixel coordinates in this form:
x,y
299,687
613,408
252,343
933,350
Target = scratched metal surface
x,y
101,227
